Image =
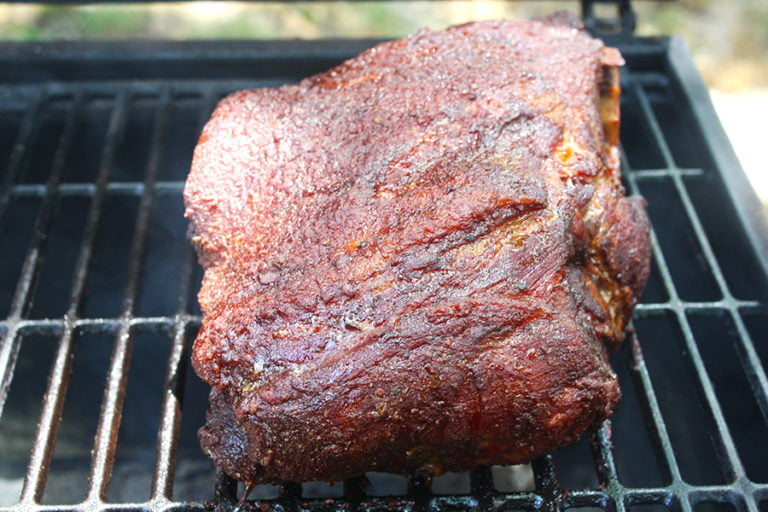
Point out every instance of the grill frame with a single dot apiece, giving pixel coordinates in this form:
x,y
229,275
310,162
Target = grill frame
x,y
37,72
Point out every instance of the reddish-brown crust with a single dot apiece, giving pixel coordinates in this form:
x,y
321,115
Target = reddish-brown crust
x,y
418,260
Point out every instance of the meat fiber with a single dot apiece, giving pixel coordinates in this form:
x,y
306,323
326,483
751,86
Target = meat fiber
x,y
417,261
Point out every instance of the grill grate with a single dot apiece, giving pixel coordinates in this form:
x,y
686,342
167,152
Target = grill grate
x,y
97,287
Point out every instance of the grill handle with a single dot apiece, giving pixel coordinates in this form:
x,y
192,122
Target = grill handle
x,y
622,24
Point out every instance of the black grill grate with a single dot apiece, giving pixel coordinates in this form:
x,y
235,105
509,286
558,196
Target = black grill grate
x,y
98,406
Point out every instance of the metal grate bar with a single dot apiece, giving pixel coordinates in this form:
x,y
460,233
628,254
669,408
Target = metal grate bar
x,y
663,173
546,483
88,189
660,434
47,428
650,308
518,501
599,442
99,325
170,419
109,420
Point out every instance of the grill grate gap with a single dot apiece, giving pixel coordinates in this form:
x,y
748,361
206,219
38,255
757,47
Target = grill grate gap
x,y
683,253
679,400
716,337
56,129
654,292
637,136
188,112
108,273
678,143
10,125
166,246
513,478
92,130
64,239
745,280
574,466
17,231
132,155
451,483
384,484
714,506
653,507
638,452
131,478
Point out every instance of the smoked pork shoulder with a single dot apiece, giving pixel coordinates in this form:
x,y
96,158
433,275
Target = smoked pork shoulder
x,y
418,261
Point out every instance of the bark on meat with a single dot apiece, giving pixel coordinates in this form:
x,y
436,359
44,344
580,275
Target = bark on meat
x,y
417,261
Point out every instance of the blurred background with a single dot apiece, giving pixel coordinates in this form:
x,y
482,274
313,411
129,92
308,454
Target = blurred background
x,y
728,38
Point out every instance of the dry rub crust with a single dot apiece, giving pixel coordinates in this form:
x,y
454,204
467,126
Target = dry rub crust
x,y
417,261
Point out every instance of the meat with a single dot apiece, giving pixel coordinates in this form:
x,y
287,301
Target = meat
x,y
418,261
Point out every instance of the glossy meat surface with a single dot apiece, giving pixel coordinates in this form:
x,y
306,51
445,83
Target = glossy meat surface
x,y
417,261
